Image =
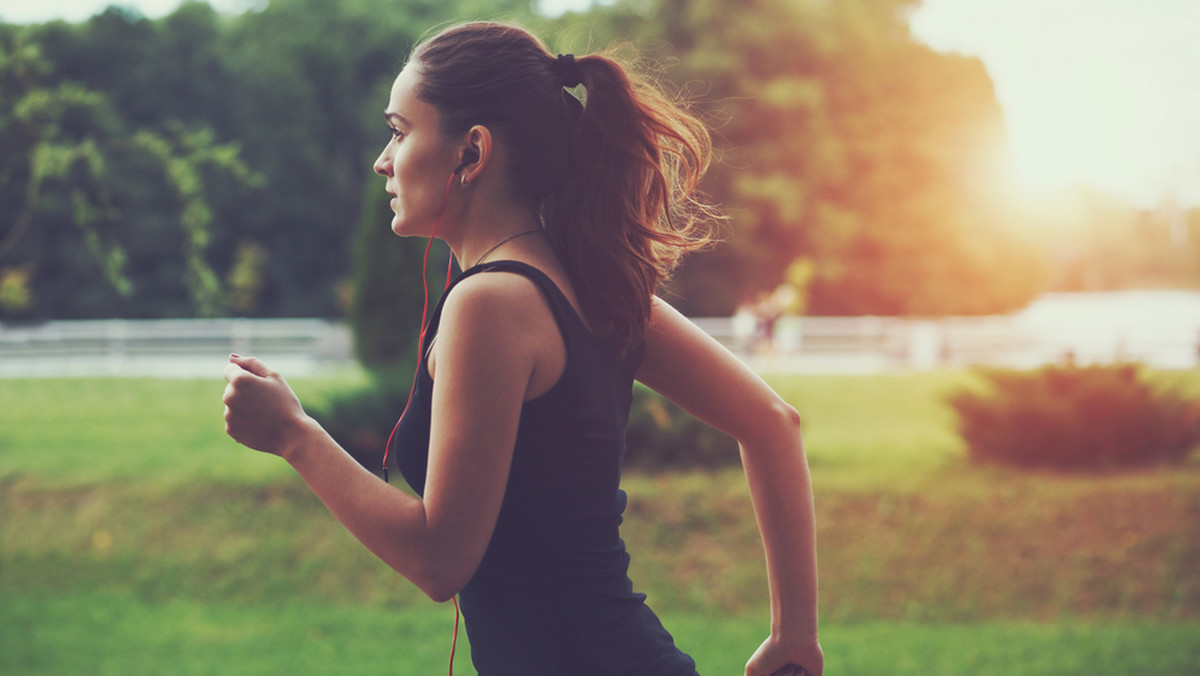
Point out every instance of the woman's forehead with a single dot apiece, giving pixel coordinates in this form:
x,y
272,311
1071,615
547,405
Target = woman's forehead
x,y
404,101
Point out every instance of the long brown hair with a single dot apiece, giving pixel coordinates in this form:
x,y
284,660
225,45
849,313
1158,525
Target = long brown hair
x,y
615,175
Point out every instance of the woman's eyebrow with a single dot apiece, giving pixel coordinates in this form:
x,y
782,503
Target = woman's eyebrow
x,y
397,117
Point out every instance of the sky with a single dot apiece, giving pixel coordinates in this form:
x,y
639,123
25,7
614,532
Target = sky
x,y
1100,92
1104,93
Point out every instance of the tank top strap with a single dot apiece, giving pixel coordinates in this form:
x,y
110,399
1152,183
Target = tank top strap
x,y
569,322
564,313
526,270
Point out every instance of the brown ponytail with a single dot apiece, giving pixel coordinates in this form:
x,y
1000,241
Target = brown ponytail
x,y
615,176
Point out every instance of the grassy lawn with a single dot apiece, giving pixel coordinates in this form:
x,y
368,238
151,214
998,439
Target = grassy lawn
x,y
135,538
104,633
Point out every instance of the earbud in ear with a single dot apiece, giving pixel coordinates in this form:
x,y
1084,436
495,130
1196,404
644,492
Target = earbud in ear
x,y
469,157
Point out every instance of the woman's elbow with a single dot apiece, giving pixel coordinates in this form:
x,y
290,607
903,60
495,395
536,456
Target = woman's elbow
x,y
777,426
441,580
440,588
441,593
789,419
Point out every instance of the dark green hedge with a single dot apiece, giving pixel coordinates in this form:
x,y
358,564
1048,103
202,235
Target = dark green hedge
x,y
661,436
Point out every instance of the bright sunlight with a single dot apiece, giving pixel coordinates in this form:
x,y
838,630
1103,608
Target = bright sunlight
x,y
1100,93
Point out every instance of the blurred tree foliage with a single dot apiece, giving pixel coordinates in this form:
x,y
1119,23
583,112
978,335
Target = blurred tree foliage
x,y
104,217
205,164
1098,243
197,164
845,142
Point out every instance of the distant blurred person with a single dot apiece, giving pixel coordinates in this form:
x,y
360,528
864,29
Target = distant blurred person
x,y
566,217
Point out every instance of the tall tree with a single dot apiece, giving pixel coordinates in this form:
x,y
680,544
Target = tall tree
x,y
845,143
90,197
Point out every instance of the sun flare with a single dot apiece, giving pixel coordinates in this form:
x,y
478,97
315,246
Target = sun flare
x,y
1104,98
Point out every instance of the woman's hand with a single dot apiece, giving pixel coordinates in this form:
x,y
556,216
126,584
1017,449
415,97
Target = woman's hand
x,y
261,411
777,657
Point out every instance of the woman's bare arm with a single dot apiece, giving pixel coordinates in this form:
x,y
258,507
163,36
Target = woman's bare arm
x,y
691,369
486,355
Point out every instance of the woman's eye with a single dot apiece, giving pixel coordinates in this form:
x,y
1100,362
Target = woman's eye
x,y
396,133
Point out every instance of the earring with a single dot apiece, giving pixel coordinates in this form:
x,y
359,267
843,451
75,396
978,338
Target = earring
x,y
464,181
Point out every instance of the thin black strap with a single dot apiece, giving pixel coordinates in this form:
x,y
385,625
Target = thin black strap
x,y
564,313
524,269
554,295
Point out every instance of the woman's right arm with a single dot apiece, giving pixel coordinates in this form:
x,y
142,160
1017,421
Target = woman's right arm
x,y
690,368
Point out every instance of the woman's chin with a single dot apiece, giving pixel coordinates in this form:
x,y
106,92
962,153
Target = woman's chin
x,y
407,228
401,227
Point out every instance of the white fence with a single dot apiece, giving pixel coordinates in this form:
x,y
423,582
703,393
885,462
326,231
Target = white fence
x,y
880,344
170,348
1157,327
1160,328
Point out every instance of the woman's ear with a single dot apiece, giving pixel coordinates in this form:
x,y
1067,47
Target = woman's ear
x,y
475,154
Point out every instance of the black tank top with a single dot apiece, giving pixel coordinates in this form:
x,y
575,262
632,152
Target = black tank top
x,y
552,594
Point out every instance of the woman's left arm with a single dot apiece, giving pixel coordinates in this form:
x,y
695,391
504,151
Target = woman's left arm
x,y
691,369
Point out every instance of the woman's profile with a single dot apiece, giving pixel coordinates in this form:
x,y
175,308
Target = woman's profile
x,y
566,213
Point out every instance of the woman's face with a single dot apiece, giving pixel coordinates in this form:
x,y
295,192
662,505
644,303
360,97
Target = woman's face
x,y
418,159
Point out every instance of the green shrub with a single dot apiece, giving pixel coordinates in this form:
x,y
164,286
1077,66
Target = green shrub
x,y
662,436
1076,417
362,419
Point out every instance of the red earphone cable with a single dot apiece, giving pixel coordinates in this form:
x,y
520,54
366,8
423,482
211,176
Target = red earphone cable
x,y
424,316
420,343
454,639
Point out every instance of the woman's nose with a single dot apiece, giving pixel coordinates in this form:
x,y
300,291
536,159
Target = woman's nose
x,y
382,165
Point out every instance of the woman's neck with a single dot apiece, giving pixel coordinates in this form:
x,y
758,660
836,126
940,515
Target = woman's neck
x,y
484,238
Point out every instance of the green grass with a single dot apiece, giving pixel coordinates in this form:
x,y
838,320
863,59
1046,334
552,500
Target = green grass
x,y
867,434
85,431
104,633
136,538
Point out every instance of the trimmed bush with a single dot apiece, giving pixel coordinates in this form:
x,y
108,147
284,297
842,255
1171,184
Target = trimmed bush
x,y
1076,418
662,436
362,419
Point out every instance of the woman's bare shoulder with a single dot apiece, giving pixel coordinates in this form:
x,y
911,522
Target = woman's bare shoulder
x,y
501,320
500,296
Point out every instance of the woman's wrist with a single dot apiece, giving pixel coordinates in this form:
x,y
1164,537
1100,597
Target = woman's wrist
x,y
297,438
802,622
803,630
